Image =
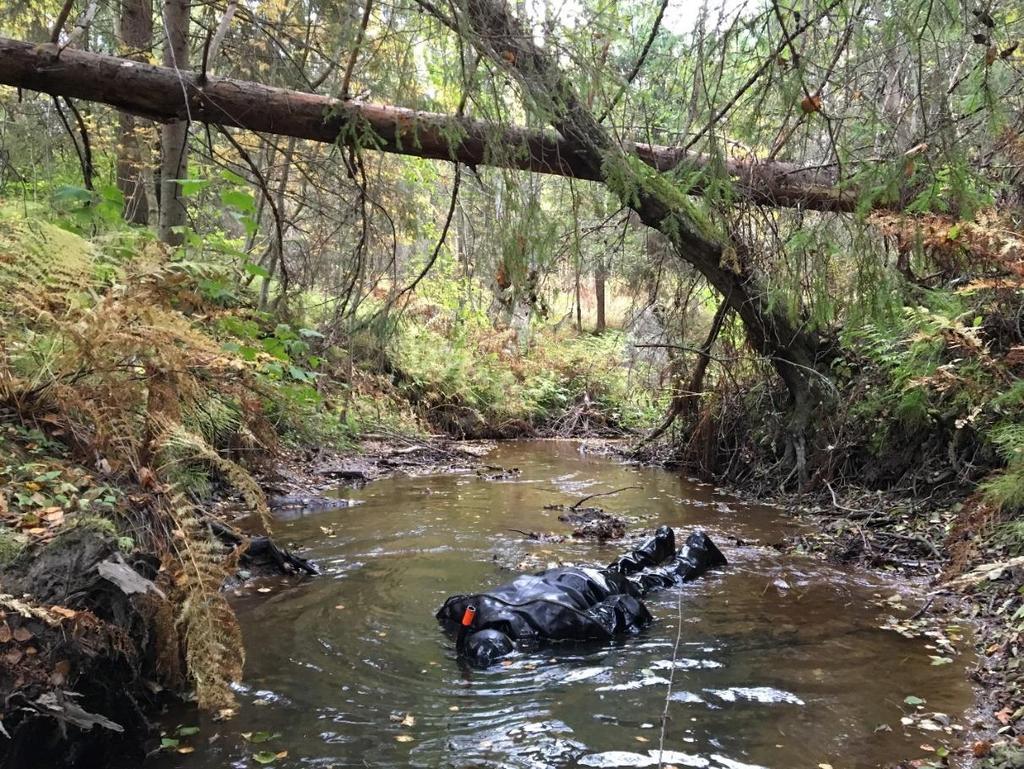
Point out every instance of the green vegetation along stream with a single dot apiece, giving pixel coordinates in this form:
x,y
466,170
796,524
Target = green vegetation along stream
x,y
782,663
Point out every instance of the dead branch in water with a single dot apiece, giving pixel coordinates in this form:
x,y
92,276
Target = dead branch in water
x,y
601,494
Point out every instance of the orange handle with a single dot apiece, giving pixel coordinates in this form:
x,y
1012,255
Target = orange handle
x,y
467,617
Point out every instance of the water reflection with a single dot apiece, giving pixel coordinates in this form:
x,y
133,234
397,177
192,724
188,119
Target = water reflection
x,y
781,660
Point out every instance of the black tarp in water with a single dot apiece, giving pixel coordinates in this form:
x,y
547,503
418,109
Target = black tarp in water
x,y
575,603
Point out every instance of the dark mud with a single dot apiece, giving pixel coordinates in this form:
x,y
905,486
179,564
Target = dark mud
x,y
78,670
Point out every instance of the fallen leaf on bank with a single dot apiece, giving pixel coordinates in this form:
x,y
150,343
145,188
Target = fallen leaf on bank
x,y
22,634
63,611
981,748
60,672
5,633
1003,716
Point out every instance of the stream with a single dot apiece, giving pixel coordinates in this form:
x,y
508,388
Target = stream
x,y
782,662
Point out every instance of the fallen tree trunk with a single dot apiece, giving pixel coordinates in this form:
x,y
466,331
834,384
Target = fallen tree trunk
x,y
165,94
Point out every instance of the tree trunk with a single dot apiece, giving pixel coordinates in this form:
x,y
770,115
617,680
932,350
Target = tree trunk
x,y
600,277
135,29
174,135
159,93
685,399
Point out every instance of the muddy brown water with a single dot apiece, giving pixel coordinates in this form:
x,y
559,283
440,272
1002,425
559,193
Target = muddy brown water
x,y
781,663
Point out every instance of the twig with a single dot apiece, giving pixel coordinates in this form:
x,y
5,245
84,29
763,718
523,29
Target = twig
x,y
671,672
84,153
639,63
602,494
62,18
214,40
765,66
923,609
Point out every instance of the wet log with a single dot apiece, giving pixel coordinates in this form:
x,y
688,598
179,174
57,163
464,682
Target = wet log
x,y
164,94
262,553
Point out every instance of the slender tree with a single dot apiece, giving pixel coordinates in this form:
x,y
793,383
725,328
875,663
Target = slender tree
x,y
135,30
174,135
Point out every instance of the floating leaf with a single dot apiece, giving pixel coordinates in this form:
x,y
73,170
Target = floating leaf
x,y
260,737
264,757
187,731
914,701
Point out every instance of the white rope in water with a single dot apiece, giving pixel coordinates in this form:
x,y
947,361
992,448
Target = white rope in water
x,y
672,671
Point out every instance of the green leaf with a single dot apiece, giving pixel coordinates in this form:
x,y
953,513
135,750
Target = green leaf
x,y
255,269
168,743
187,731
310,333
264,757
190,187
238,200
914,701
69,195
232,177
298,374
